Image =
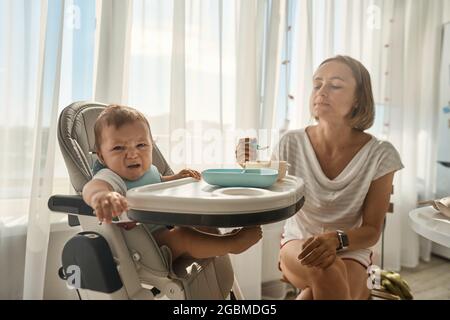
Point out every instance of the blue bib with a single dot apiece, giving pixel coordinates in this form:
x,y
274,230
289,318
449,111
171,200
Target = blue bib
x,y
150,177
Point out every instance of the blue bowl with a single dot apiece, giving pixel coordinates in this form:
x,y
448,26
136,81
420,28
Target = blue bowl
x,y
256,178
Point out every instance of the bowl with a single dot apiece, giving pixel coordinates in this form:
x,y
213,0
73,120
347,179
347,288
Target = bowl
x,y
253,178
280,166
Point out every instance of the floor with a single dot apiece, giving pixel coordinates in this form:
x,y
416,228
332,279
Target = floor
x,y
429,280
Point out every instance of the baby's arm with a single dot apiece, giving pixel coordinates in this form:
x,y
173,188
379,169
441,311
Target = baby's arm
x,y
182,174
106,203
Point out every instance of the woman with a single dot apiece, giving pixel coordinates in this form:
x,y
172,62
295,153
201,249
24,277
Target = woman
x,y
348,177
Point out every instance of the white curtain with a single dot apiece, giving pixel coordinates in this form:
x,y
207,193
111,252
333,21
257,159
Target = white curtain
x,y
183,63
414,98
18,74
399,42
111,61
29,82
207,73
196,68
46,62
46,108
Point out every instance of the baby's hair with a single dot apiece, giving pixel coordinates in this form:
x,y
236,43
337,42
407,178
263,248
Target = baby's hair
x,y
117,116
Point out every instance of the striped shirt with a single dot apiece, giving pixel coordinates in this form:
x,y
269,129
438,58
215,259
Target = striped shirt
x,y
333,204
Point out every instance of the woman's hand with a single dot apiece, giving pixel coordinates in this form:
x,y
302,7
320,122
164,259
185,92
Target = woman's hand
x,y
108,204
319,251
188,173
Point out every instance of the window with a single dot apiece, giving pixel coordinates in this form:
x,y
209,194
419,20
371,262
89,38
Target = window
x,y
19,72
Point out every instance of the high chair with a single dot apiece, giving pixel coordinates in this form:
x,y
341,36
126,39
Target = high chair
x,y
109,262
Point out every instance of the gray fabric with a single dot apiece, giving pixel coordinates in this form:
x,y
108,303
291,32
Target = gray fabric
x,y
152,259
205,279
76,142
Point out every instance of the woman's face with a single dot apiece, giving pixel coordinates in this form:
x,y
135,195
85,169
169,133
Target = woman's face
x,y
333,95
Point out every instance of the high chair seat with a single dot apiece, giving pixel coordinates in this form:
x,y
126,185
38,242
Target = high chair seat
x,y
145,269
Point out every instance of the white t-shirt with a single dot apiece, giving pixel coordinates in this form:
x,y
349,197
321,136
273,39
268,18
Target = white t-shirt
x,y
332,204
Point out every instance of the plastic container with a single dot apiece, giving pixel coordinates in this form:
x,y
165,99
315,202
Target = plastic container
x,y
280,166
253,178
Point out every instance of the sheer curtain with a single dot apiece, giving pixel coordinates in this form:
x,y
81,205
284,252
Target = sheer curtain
x,y
197,68
19,55
183,63
399,42
49,76
30,82
46,62
206,73
414,98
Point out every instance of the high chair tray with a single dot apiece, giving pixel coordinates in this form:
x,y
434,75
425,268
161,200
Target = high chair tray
x,y
197,203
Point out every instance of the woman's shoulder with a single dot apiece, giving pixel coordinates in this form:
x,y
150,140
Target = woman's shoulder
x,y
386,158
385,152
292,139
383,146
297,134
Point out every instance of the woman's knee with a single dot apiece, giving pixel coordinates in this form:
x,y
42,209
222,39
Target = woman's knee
x,y
283,255
291,268
289,253
336,270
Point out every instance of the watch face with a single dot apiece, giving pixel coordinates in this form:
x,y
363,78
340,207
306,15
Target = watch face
x,y
344,240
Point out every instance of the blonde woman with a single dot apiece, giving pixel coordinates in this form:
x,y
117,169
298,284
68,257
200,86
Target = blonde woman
x,y
348,176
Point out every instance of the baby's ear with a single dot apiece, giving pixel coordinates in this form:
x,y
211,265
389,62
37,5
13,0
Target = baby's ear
x,y
100,157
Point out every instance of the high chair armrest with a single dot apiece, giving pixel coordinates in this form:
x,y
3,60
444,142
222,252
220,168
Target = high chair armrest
x,y
72,204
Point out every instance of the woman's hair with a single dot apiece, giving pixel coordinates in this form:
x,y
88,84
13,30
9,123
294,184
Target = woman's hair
x,y
363,115
117,116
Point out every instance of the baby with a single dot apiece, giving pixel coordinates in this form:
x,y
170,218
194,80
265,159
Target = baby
x,y
124,149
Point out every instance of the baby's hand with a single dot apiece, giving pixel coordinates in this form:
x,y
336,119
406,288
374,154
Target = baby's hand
x,y
188,173
109,204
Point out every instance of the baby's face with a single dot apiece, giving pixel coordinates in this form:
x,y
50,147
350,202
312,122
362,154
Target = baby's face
x,y
128,150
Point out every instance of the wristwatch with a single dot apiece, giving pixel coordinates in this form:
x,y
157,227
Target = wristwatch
x,y
343,240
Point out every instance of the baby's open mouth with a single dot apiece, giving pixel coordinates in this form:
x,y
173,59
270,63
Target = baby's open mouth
x,y
133,166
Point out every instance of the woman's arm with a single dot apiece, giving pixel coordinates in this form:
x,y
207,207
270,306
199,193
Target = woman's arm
x,y
320,251
375,207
